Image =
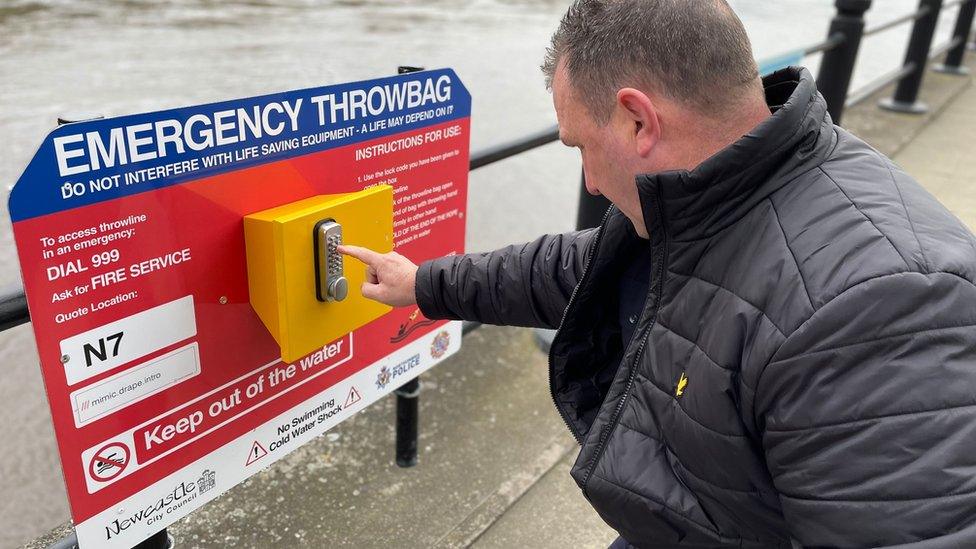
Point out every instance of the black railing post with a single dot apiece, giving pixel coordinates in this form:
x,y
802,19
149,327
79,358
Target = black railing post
x,y
407,396
905,99
837,67
591,207
13,308
407,416
159,540
964,24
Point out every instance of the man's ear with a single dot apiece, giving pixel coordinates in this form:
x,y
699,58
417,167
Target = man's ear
x,y
639,118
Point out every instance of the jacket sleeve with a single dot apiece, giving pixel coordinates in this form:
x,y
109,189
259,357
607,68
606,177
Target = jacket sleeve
x,y
868,416
519,285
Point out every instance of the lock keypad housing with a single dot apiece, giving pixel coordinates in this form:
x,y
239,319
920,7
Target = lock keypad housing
x,y
303,298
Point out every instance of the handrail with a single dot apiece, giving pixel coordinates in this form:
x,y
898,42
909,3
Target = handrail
x,y
907,18
495,153
946,47
13,308
834,41
893,75
875,85
68,542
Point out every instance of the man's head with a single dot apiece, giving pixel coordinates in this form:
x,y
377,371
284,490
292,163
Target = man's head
x,y
650,85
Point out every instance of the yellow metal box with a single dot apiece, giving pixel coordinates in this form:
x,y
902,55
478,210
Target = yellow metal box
x,y
283,278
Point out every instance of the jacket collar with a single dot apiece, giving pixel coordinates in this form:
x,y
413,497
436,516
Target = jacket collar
x,y
699,203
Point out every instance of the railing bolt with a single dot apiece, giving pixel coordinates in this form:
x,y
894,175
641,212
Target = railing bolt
x,y
837,67
964,23
906,94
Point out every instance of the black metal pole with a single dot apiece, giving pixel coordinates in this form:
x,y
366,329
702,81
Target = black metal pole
x,y
495,153
906,94
13,308
407,416
591,207
159,540
407,396
837,66
964,23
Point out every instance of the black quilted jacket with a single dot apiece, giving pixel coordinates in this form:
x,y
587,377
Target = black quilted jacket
x,y
804,371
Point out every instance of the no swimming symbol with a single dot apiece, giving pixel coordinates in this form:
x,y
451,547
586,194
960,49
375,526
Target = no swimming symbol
x,y
108,462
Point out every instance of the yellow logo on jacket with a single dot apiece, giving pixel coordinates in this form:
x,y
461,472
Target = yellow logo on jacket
x,y
682,382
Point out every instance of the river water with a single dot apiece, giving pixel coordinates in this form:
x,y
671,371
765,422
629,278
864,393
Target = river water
x,y
114,57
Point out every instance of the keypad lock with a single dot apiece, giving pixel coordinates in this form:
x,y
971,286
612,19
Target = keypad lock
x,y
330,279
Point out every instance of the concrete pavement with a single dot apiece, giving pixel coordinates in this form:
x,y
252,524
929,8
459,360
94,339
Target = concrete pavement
x,y
943,157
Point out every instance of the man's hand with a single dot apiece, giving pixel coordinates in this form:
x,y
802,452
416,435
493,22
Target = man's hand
x,y
390,278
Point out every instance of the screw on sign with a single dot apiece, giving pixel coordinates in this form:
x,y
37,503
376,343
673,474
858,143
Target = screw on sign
x,y
109,461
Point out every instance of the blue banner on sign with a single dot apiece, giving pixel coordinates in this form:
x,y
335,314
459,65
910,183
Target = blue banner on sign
x,y
94,161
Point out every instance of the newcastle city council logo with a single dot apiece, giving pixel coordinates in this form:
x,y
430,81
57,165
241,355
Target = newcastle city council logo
x,y
207,481
441,342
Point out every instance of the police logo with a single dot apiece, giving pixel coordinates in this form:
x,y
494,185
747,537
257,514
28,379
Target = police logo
x,y
441,342
383,378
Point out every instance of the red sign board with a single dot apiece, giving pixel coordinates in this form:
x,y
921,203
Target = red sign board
x,y
165,387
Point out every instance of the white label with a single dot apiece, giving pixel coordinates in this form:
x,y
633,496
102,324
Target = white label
x,y
101,349
135,384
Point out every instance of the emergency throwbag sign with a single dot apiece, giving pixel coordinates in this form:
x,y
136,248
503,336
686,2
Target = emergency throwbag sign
x,y
193,321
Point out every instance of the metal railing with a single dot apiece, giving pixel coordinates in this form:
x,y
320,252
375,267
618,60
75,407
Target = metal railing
x,y
837,67
839,49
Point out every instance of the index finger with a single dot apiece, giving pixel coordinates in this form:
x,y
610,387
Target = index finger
x,y
365,255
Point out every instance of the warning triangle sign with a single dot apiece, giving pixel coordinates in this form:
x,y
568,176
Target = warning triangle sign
x,y
352,398
257,452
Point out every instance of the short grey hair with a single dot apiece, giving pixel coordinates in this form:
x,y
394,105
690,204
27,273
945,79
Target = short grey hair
x,y
692,51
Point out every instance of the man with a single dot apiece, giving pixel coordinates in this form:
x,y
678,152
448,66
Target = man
x,y
770,341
